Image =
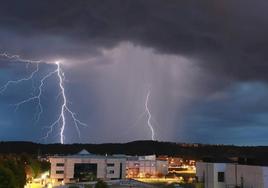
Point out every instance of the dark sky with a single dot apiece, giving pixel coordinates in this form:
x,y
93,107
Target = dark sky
x,y
205,63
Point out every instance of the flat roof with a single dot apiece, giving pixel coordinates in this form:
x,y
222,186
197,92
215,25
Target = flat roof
x,y
84,154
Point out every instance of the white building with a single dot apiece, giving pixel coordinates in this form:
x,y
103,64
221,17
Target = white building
x,y
145,166
230,175
85,166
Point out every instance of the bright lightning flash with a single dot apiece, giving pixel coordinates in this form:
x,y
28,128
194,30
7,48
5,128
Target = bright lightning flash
x,y
58,72
64,108
149,115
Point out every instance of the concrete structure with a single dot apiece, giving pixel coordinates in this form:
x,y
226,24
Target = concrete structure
x,y
230,175
145,166
85,167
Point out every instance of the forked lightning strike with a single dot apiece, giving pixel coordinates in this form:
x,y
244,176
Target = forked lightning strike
x,y
11,82
149,115
64,108
17,58
61,119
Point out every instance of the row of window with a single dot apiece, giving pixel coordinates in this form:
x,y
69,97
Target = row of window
x,y
62,172
62,164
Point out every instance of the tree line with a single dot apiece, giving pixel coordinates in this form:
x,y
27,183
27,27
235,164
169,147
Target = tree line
x,y
193,151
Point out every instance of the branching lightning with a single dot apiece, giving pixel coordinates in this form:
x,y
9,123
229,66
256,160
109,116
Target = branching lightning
x,y
64,108
149,115
11,82
61,120
18,58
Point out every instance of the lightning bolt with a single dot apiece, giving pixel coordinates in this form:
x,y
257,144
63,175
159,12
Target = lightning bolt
x,y
64,108
12,82
61,120
18,58
143,114
149,115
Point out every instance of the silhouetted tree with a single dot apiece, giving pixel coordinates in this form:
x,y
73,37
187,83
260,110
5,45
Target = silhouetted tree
x,y
7,178
101,184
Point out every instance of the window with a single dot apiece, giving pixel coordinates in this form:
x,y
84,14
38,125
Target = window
x,y
59,172
220,176
85,172
60,164
110,164
111,171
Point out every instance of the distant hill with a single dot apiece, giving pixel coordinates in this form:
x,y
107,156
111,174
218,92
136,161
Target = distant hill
x,y
191,151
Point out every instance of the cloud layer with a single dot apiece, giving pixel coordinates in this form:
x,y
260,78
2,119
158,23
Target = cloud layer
x,y
195,57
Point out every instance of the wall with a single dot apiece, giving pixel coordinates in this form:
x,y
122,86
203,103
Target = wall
x,y
249,176
162,167
252,175
208,174
219,167
102,168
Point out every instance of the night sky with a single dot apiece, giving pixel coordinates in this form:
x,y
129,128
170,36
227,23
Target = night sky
x,y
204,63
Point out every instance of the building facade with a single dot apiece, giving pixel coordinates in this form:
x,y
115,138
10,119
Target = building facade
x,y
85,167
145,166
230,175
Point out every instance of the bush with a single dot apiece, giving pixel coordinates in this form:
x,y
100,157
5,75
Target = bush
x,y
88,186
101,184
17,170
73,186
7,178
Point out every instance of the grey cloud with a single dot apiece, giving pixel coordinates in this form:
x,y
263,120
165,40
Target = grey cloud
x,y
188,51
228,37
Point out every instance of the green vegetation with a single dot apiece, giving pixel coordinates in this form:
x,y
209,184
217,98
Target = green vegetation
x,y
12,172
14,169
101,184
199,185
88,186
73,186
7,178
187,151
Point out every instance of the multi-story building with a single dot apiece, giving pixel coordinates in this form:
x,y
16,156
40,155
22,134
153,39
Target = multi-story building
x,y
145,166
85,167
231,175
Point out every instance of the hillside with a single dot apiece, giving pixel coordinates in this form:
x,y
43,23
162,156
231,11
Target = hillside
x,y
192,151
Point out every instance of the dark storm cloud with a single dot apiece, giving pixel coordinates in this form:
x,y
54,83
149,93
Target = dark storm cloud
x,y
204,61
228,37
240,112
